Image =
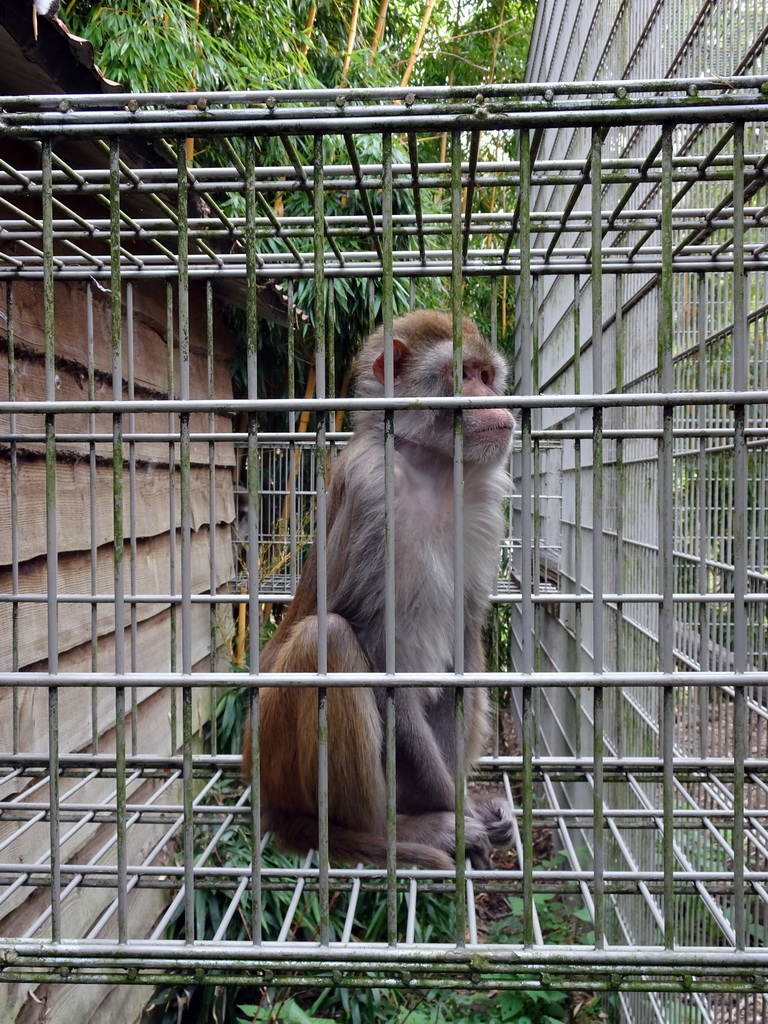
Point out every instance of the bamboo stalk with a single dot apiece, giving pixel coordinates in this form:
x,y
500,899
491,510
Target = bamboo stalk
x,y
308,28
497,39
238,656
381,21
417,45
190,143
351,36
308,392
451,76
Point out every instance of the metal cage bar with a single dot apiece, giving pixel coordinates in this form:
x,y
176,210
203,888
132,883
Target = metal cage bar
x,y
633,575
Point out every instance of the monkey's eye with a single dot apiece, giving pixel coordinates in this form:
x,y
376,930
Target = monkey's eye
x,y
486,377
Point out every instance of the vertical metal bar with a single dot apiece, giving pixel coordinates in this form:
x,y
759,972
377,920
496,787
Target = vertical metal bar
x,y
94,539
494,339
253,532
330,348
173,612
740,537
495,693
598,610
536,498
387,289
14,469
187,692
578,611
458,534
293,451
703,574
620,500
322,567
526,523
666,531
212,509
52,553
119,535
129,352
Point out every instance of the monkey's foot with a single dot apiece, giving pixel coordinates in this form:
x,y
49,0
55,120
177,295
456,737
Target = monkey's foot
x,y
497,820
476,842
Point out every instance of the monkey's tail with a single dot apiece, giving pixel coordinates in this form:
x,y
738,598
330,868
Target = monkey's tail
x,y
298,834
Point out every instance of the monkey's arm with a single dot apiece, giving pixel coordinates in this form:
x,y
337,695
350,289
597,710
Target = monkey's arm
x,y
355,542
425,779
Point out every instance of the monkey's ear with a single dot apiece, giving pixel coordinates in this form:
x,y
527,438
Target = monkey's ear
x,y
399,355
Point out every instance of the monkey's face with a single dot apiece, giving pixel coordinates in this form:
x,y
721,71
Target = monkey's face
x,y
487,431
422,366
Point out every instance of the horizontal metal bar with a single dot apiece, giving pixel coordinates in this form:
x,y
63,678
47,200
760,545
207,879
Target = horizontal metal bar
x,y
697,255
564,763
244,406
104,874
412,268
165,177
483,957
346,117
545,90
308,439
432,979
500,597
15,810
371,679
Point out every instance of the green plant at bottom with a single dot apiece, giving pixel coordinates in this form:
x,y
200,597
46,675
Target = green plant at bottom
x,y
507,1007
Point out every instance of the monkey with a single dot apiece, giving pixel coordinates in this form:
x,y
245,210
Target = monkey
x,y
424,616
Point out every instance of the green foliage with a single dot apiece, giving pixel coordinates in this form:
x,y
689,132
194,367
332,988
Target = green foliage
x,y
231,713
157,45
477,42
556,918
288,1012
161,45
512,1006
560,923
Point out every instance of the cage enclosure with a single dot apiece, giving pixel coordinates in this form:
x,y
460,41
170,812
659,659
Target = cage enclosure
x,y
159,494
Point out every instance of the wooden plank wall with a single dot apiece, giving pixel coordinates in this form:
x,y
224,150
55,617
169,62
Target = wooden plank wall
x,y
86,640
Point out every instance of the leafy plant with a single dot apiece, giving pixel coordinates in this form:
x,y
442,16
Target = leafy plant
x,y
160,45
288,1012
538,1006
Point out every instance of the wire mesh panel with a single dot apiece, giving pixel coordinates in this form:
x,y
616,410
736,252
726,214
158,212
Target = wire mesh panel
x,y
716,339
152,513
